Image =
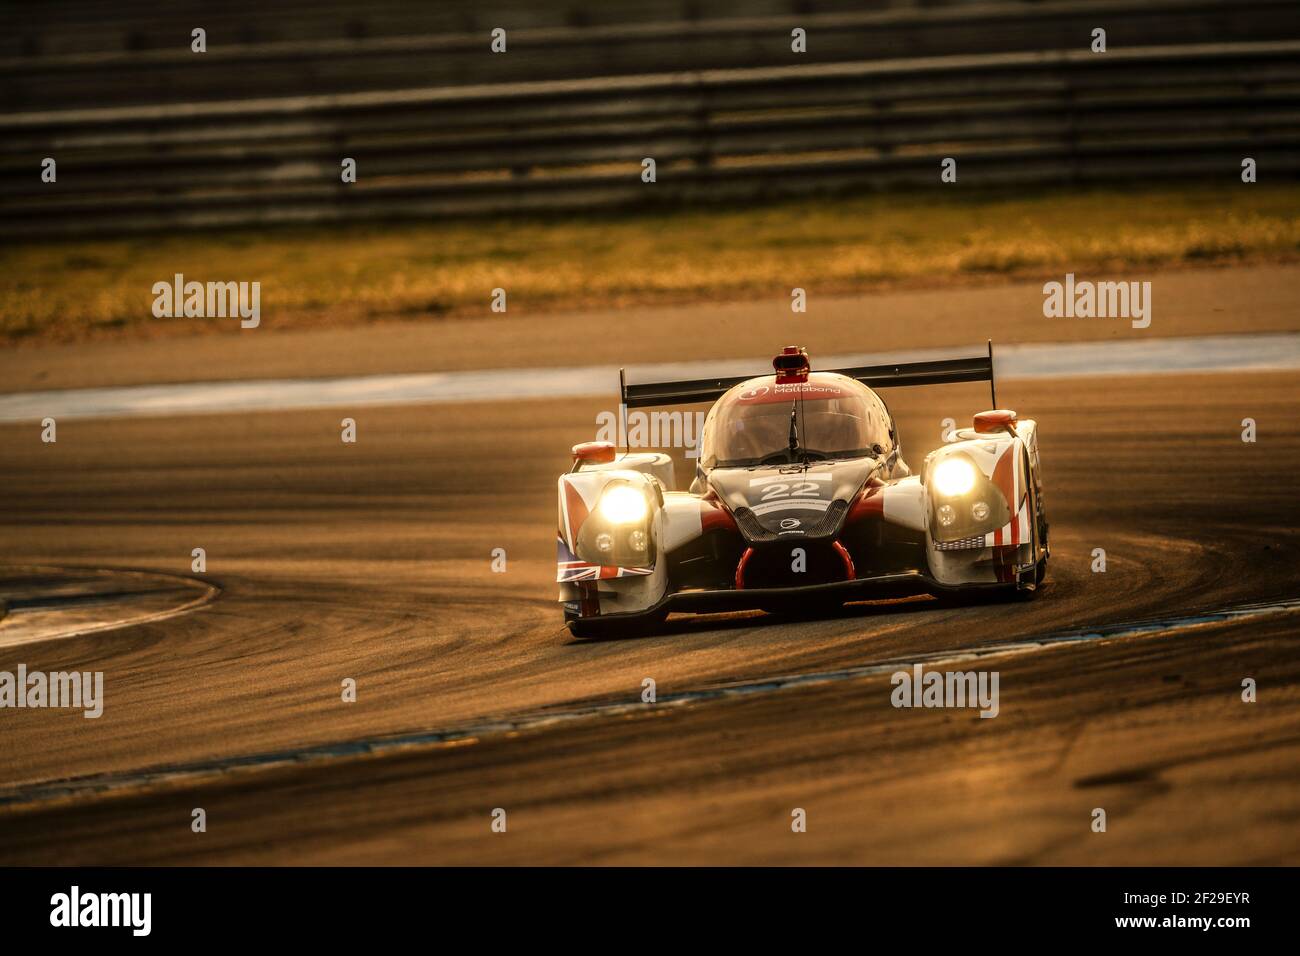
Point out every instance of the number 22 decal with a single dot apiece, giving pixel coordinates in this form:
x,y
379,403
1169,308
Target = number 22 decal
x,y
799,489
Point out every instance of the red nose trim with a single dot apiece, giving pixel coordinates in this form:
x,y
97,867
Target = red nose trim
x,y
740,568
714,516
850,574
871,503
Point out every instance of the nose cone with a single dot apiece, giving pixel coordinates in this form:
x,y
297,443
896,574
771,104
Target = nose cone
x,y
787,503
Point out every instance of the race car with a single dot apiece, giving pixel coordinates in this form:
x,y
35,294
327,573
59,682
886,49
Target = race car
x,y
800,501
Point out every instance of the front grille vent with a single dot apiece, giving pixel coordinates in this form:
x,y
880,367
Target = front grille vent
x,y
827,526
961,544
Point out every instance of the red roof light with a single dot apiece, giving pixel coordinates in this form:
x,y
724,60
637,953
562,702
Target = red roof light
x,y
791,365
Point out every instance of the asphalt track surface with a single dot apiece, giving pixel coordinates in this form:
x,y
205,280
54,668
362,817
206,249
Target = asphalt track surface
x,y
373,562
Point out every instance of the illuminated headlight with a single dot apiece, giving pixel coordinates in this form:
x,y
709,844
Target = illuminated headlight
x,y
622,504
979,510
946,515
637,540
954,477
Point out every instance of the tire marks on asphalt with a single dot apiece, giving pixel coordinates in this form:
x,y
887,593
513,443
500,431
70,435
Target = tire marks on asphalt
x,y
469,734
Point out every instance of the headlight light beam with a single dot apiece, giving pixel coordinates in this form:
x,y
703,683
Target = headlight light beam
x,y
622,504
954,477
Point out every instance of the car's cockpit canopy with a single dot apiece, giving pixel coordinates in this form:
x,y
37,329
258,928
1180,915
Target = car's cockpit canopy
x,y
834,416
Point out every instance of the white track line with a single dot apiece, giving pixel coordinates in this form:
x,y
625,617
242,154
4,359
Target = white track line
x,y
1056,360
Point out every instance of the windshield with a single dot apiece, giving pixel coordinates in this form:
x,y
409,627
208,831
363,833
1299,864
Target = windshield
x,y
837,418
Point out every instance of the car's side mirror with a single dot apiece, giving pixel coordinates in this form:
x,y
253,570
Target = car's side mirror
x,y
995,420
593,453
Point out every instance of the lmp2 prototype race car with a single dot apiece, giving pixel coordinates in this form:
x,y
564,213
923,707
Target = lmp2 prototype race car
x,y
800,501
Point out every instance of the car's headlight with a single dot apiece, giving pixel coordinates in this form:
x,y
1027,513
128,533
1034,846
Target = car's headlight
x,y
954,477
622,504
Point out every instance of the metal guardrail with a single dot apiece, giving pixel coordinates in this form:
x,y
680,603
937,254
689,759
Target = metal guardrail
x,y
41,28
1015,118
232,69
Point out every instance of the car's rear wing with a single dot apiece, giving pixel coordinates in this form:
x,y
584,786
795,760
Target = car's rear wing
x,y
978,368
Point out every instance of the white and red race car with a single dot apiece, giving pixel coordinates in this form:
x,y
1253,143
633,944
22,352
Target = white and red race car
x,y
801,499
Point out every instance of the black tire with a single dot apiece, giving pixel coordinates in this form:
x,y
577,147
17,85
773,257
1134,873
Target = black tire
x,y
1028,594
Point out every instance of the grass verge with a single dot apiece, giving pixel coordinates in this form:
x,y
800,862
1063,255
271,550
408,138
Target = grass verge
x,y
337,275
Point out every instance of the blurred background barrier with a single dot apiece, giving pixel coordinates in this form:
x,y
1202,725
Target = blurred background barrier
x,y
288,48
447,143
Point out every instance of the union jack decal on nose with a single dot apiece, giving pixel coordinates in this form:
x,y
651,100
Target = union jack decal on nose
x,y
570,568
